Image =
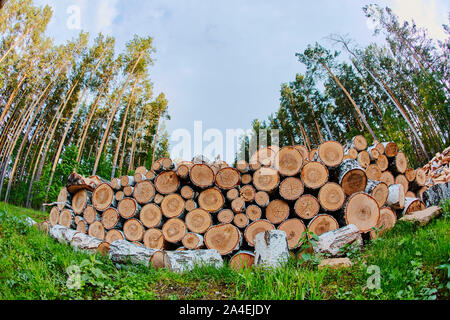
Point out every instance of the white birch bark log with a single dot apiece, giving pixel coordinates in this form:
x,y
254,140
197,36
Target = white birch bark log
x,y
331,242
271,248
122,251
186,260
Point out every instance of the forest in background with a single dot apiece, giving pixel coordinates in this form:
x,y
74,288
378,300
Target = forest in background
x,y
87,107
73,106
398,91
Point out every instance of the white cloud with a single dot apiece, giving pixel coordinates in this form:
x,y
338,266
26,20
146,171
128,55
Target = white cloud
x,y
426,13
105,14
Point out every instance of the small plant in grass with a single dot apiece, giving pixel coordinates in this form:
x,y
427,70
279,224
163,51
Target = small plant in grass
x,y
445,267
306,249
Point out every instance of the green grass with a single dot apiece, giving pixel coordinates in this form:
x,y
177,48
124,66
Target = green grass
x,y
413,264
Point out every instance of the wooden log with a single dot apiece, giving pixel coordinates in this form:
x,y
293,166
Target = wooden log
x,y
350,153
266,179
413,205
363,159
248,193
227,178
202,176
139,177
123,251
156,167
84,242
91,215
144,192
242,166
82,225
363,211
153,238
396,197
242,260
63,199
128,191
390,149
167,182
256,227
410,174
314,175
330,153
331,197
97,230
151,216
174,230
434,195
303,151
373,172
387,221
421,192
421,177
373,153
133,229
241,220
119,195
277,211
380,147
238,205
255,166
190,205
114,235
351,176
128,208
225,216
271,249
111,219
382,162
262,199
294,229
307,207
291,189
183,172
158,198
103,197
225,238
80,200
76,182
173,206
115,184
265,156
246,178
141,170
288,161
183,261
167,163
53,218
311,155
322,223
187,192
401,179
232,194
127,181
331,243
399,163
150,175
192,241
198,221
253,212
387,177
211,199
378,190
62,234
66,219
359,143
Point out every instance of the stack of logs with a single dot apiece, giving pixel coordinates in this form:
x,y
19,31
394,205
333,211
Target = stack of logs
x,y
197,204
437,169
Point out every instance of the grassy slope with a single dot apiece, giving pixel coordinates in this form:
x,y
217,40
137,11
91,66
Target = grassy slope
x,y
34,266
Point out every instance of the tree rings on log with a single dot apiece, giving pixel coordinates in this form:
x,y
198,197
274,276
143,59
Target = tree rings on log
x,y
97,230
133,230
420,177
141,170
400,163
238,205
382,162
211,200
322,223
144,192
80,200
262,199
380,147
387,221
373,153
242,166
364,159
174,230
66,218
401,179
190,205
331,196
167,182
63,198
291,188
115,184
351,177
242,260
173,205
54,216
363,211
277,211
111,219
128,191
151,215
154,239
248,193
183,171
288,161
373,172
253,212
410,174
330,153
167,163
187,192
413,205
202,175
128,208
225,216
139,177
387,177
225,238
294,229
359,142
266,179
192,241
303,151
351,153
150,175
103,197
127,181
314,175
119,195
241,220
90,215
246,178
232,194
114,235
256,227
379,190
198,221
390,149
82,226
228,178
307,206
264,156
312,154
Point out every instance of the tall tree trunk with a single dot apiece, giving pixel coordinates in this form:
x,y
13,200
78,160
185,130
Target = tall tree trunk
x,y
313,113
15,44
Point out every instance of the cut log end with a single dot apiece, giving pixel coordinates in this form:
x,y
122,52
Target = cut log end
x,y
294,229
291,189
173,206
314,175
225,238
288,161
307,207
198,221
363,211
322,223
211,200
330,153
331,196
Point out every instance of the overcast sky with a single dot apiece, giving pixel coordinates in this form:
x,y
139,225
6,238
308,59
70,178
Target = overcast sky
x,y
223,62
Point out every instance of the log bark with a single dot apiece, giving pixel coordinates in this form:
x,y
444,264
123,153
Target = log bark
x,y
271,249
413,205
123,251
396,197
351,177
183,261
332,242
435,194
